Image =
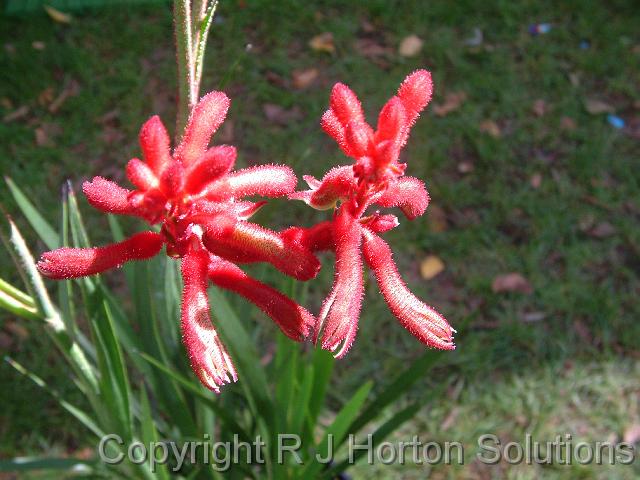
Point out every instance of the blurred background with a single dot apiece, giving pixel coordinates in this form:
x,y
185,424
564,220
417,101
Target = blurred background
x,y
529,149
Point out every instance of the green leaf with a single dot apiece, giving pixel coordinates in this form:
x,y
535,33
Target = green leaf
x,y
197,390
44,230
395,389
23,464
15,306
339,428
150,434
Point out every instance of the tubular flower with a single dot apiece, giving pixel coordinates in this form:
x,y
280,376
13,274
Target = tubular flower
x,y
375,178
198,201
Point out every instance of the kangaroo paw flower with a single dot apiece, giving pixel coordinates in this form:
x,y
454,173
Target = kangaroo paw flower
x,y
208,356
294,320
337,323
80,262
422,321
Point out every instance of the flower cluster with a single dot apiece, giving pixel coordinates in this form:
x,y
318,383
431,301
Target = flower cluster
x,y
376,178
199,203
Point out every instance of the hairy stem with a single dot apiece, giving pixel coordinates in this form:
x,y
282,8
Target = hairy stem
x,y
184,58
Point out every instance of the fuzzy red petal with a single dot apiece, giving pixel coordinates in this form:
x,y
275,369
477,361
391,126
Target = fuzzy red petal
x,y
422,321
337,184
392,122
248,242
338,320
155,144
263,180
316,238
415,93
108,196
141,175
359,136
332,126
209,358
345,104
213,164
294,320
409,194
203,122
80,262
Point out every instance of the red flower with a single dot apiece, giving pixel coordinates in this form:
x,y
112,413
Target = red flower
x,y
197,199
376,178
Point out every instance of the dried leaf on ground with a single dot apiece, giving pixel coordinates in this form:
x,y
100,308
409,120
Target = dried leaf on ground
x,y
71,89
583,331
436,219
304,78
323,43
452,102
370,48
57,15
531,317
511,282
602,230
431,267
596,107
17,114
38,45
539,108
280,115
465,167
16,329
450,419
491,128
567,123
410,46
632,433
536,180
46,96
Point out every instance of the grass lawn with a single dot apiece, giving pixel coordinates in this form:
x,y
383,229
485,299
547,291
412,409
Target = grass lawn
x,y
526,176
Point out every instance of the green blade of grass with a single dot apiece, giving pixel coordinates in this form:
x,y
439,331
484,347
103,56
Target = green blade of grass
x,y
339,428
44,230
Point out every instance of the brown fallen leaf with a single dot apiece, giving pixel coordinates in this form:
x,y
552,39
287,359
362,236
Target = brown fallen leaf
x,y
16,329
436,219
57,15
17,114
38,45
45,133
539,108
531,317
632,433
276,79
491,128
304,78
431,267
109,117
279,115
465,167
511,282
6,341
452,102
568,124
323,43
596,107
410,46
450,419
536,180
6,103
583,331
370,48
71,89
41,137
45,97
602,230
